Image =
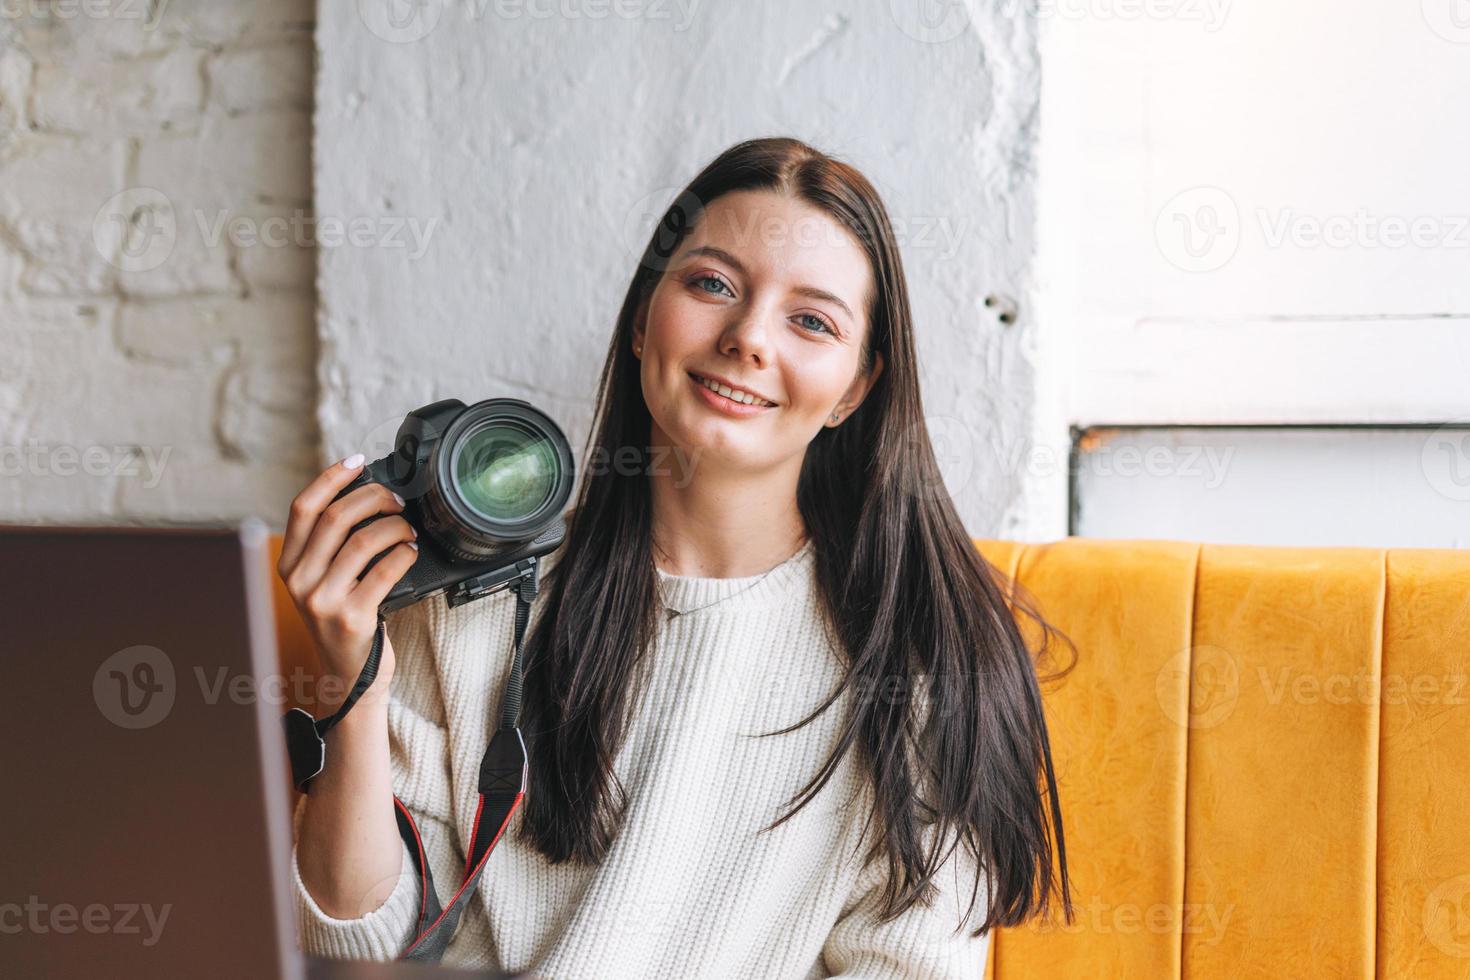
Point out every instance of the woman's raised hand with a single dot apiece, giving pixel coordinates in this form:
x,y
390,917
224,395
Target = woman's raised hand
x,y
322,559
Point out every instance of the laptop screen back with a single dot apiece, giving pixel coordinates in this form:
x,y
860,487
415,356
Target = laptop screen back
x,y
146,827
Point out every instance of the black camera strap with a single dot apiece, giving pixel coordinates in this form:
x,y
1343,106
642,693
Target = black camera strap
x,y
501,785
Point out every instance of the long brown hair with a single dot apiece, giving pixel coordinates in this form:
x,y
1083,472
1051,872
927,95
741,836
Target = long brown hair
x,y
903,590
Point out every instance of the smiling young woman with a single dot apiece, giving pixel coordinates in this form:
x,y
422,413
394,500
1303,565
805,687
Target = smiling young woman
x,y
776,272
759,316
765,602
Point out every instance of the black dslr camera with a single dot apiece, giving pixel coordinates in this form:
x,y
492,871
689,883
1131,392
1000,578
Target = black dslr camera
x,y
484,486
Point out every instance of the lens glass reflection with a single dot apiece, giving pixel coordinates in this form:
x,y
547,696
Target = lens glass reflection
x,y
505,472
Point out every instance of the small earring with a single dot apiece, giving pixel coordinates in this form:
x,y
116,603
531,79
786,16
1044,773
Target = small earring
x,y
638,351
834,416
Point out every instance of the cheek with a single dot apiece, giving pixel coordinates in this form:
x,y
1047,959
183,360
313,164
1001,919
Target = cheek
x,y
677,328
676,319
668,307
818,384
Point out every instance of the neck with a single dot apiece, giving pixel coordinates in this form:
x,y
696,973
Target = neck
x,y
717,522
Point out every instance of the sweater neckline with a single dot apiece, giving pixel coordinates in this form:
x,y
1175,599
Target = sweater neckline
x,y
687,592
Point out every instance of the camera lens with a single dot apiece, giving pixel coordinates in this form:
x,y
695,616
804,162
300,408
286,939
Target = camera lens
x,y
503,471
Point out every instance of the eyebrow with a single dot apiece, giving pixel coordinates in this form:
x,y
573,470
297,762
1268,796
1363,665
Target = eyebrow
x,y
726,257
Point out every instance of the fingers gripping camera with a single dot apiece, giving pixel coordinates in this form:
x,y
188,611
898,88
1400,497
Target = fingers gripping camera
x,y
484,486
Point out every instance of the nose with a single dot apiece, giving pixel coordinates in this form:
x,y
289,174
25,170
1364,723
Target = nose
x,y
747,335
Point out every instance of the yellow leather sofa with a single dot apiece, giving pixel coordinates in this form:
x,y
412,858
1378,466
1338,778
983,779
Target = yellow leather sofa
x,y
1263,758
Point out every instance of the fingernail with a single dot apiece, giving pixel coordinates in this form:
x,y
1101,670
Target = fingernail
x,y
414,545
397,498
414,530
353,462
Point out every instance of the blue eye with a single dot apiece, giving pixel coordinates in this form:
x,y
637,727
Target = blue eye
x,y
821,323
700,280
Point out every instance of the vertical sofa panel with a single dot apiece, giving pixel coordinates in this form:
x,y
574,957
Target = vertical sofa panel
x,y
1424,768
1119,758
1281,819
1004,556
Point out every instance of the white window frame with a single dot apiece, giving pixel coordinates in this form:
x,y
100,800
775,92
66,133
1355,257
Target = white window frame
x,y
1102,363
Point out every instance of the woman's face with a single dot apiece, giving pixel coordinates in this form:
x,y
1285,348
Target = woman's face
x,y
767,294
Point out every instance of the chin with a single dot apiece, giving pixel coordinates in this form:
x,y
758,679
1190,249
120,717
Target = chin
x,y
707,445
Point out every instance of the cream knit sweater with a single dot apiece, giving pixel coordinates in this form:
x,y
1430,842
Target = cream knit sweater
x,y
688,890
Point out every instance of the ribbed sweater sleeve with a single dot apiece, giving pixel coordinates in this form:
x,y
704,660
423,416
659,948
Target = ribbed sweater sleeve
x,y
383,933
920,944
379,934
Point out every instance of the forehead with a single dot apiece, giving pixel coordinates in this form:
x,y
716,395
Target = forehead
x,y
778,236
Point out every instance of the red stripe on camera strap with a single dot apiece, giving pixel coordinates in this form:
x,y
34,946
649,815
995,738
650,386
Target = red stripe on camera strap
x,y
502,786
503,776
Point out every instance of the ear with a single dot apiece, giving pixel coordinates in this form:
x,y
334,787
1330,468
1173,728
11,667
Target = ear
x,y
640,322
859,389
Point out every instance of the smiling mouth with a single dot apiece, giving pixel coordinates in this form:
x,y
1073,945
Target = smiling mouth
x,y
739,398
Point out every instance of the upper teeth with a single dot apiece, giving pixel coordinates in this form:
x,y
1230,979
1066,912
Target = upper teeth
x,y
734,394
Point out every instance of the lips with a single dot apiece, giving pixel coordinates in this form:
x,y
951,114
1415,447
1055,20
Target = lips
x,y
725,406
732,385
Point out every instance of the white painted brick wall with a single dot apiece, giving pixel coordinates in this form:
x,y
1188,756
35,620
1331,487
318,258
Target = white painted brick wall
x,y
505,165
175,381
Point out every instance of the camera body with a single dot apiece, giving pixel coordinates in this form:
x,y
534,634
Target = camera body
x,y
449,462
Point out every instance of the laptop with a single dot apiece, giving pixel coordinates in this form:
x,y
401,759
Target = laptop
x,y
147,831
